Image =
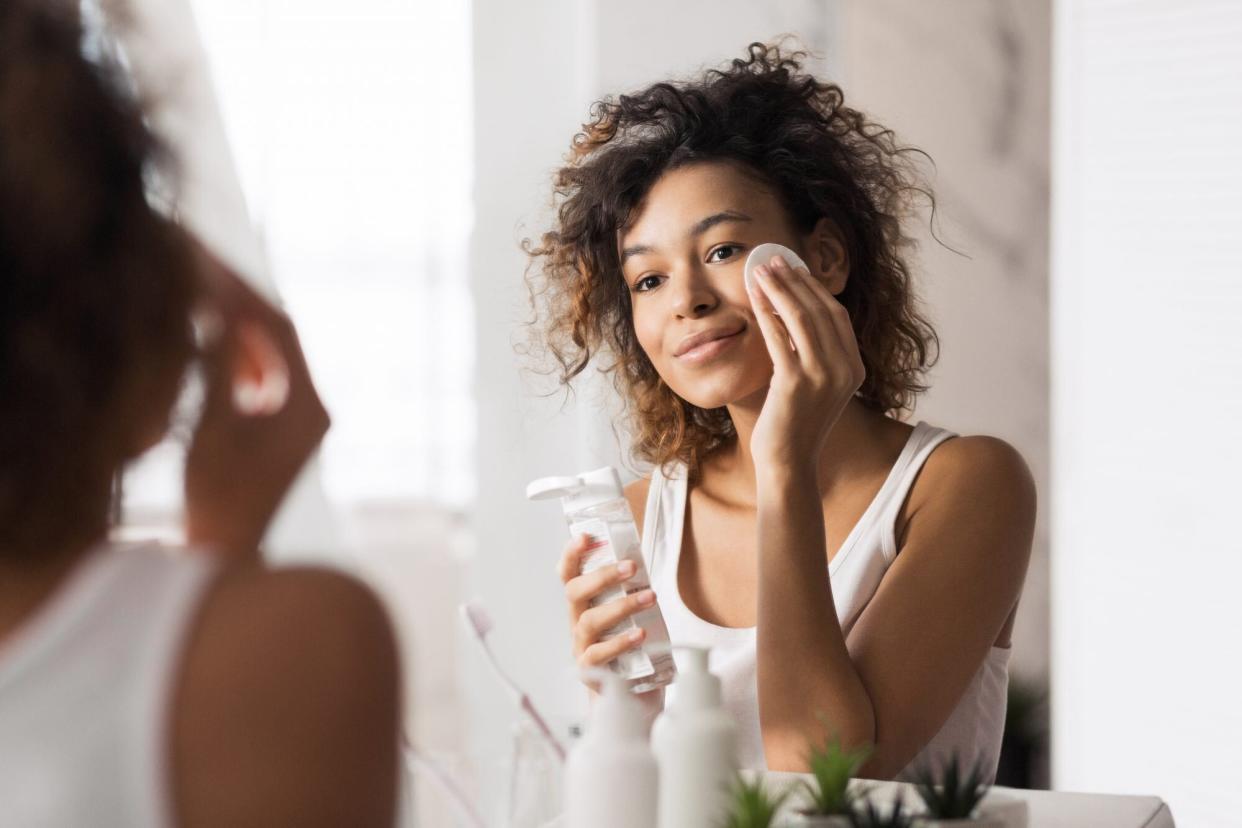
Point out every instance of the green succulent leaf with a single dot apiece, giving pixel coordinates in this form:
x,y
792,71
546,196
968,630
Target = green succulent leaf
x,y
752,805
955,793
871,816
832,767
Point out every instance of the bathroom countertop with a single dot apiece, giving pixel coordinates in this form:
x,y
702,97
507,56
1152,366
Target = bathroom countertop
x,y
1045,809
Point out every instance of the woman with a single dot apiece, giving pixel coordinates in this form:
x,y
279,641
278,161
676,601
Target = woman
x,y
850,572
139,687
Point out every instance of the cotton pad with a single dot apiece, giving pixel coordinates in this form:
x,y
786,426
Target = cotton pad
x,y
763,254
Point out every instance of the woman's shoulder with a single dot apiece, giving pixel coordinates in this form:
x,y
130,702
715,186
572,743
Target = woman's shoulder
x,y
290,605
975,472
636,493
975,498
979,455
294,669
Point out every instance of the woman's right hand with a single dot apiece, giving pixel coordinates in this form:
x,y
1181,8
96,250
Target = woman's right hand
x,y
588,624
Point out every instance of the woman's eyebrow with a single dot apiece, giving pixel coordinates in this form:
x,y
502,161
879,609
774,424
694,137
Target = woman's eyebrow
x,y
700,227
635,250
704,224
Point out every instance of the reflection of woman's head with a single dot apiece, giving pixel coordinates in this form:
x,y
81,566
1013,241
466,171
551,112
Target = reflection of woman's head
x,y
95,286
629,267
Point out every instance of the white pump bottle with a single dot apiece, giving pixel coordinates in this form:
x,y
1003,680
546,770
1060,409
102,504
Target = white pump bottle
x,y
611,780
695,742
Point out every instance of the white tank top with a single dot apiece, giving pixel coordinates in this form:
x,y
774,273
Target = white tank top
x,y
85,690
974,728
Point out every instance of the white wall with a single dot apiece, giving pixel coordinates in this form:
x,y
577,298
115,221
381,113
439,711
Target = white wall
x,y
1147,299
968,82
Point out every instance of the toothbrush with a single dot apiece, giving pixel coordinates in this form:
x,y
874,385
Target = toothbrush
x,y
480,623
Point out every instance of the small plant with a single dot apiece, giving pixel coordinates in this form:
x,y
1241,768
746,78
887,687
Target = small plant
x,y
751,805
870,816
832,767
956,794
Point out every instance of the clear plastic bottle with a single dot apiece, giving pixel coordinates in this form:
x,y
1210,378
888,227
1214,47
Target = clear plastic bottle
x,y
595,505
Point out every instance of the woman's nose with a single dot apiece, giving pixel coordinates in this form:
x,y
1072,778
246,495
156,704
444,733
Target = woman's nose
x,y
693,295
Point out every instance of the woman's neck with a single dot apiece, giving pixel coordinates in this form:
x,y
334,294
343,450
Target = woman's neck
x,y
853,432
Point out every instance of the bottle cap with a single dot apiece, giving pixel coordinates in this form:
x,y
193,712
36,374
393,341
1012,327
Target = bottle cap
x,y
581,492
546,488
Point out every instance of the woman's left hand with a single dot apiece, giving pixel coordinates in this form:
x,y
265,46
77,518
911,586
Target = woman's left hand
x,y
248,448
816,366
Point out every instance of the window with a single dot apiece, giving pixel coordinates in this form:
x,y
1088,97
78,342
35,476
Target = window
x,y
350,125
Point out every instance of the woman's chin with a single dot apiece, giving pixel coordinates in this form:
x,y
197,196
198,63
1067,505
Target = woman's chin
x,y
726,393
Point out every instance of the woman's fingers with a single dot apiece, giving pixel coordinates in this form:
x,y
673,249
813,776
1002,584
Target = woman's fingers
x,y
602,652
775,336
580,590
839,317
570,565
817,321
596,621
828,319
795,316
589,623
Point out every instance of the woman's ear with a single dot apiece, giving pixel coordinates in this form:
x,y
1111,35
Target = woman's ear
x,y
829,259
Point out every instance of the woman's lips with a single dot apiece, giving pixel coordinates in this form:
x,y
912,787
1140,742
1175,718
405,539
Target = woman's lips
x,y
709,348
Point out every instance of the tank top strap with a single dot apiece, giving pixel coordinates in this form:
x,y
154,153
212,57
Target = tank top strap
x,y
923,441
663,517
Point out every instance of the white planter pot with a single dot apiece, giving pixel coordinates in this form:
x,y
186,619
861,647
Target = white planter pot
x,y
997,810
818,821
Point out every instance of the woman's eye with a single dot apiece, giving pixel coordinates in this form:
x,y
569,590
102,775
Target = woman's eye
x,y
646,283
723,253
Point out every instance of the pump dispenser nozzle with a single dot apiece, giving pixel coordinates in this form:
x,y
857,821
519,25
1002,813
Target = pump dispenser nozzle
x,y
618,715
697,688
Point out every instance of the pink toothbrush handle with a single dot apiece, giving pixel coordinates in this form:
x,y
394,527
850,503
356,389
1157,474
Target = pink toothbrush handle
x,y
543,727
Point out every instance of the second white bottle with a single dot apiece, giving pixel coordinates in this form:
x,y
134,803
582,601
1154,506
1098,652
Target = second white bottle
x,y
695,743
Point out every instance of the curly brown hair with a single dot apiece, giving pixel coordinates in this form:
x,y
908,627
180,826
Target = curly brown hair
x,y
821,158
96,287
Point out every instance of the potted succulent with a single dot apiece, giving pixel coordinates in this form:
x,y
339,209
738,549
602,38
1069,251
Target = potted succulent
x,y
869,815
829,802
752,805
953,798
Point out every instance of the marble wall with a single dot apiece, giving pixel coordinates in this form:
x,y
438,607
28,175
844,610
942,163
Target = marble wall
x,y
968,82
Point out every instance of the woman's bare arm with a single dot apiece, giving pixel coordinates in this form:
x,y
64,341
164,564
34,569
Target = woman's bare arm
x,y
288,708
944,601
923,636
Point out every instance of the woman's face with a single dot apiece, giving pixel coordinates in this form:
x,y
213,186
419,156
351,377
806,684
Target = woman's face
x,y
682,260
